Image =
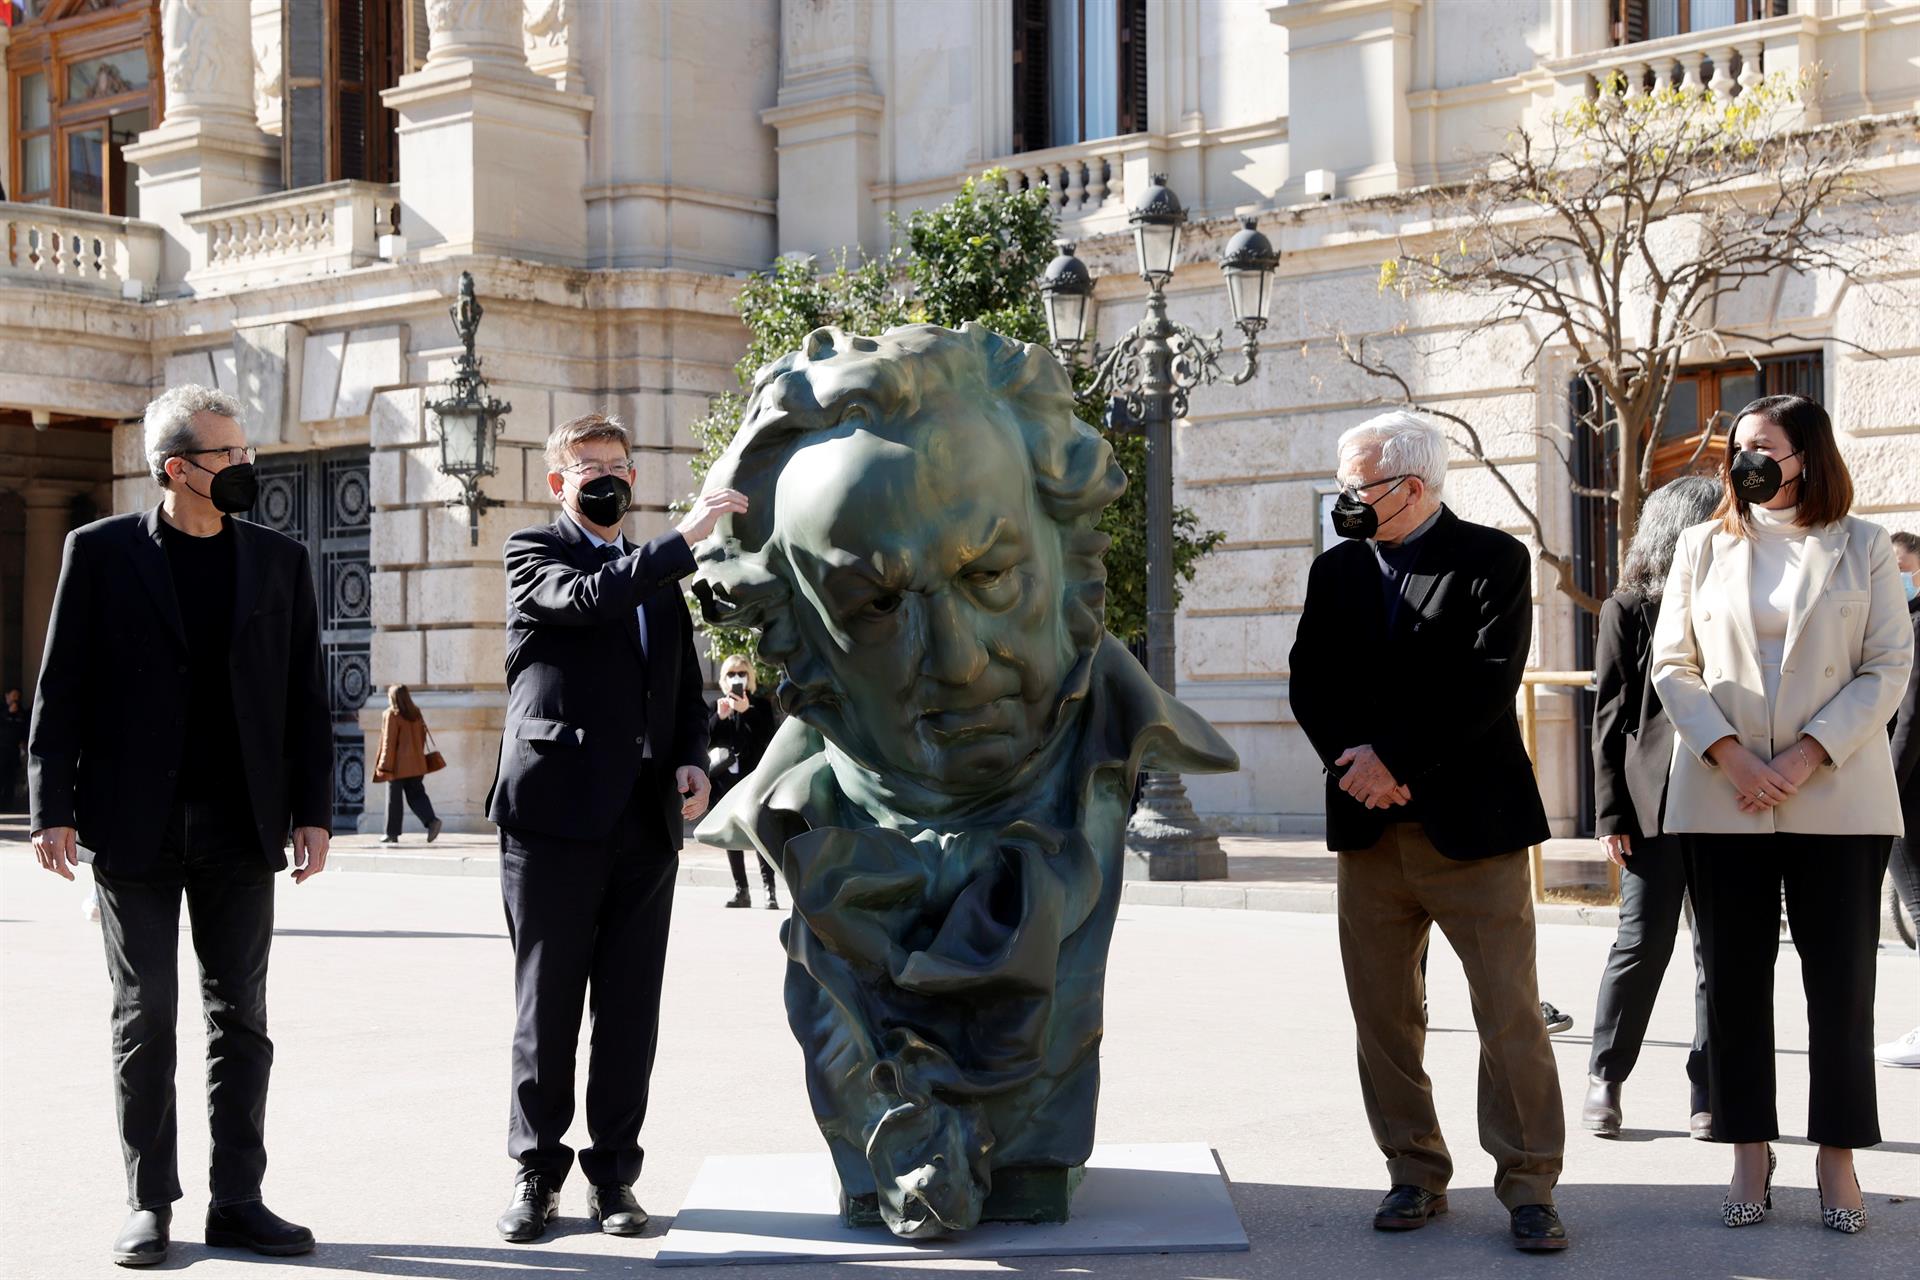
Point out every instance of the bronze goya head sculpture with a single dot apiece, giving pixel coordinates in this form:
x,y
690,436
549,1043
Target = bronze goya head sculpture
x,y
948,798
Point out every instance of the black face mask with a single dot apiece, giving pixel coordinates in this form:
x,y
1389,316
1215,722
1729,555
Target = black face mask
x,y
1756,477
605,500
233,489
1353,518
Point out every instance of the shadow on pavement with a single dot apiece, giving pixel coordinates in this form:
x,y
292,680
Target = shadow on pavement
x,y
379,933
1297,1232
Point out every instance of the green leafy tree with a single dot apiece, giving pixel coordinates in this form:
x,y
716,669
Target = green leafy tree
x,y
977,257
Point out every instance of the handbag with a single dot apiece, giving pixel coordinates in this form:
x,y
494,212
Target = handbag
x,y
435,761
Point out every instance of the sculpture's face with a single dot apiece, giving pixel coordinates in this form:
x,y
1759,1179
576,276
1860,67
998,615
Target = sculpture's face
x,y
929,582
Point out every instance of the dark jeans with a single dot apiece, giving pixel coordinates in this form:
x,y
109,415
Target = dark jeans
x,y
587,915
213,857
1652,888
1832,886
1905,866
415,791
737,862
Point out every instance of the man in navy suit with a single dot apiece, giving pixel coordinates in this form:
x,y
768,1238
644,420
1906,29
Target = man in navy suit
x,y
601,760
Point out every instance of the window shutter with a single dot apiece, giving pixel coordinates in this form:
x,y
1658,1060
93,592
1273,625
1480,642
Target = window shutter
x,y
304,117
417,31
1031,121
1630,21
350,88
1133,66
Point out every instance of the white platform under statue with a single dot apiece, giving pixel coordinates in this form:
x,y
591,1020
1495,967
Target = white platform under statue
x,y
1137,1198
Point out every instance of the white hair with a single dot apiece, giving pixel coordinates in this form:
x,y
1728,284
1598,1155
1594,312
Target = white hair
x,y
1409,446
169,422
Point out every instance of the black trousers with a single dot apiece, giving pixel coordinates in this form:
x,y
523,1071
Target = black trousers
x,y
1652,888
588,919
415,792
212,856
737,862
1832,886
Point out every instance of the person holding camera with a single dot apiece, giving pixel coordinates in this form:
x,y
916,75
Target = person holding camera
x,y
738,732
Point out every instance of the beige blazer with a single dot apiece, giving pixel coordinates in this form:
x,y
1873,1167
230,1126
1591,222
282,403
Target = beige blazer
x,y
1849,647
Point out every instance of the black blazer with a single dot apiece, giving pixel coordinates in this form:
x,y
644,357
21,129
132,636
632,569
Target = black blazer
x,y
1434,698
1632,737
1906,738
583,695
109,715
743,737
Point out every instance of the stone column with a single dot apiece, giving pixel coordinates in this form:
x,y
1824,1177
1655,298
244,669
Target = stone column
x,y
492,156
46,535
209,148
828,117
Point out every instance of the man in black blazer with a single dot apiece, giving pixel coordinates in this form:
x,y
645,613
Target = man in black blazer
x,y
1403,674
180,739
601,760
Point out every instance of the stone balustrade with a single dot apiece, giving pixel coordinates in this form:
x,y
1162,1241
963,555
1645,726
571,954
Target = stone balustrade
x,y
313,231
1083,181
1722,62
85,250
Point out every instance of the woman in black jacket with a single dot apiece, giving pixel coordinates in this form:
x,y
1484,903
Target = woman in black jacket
x,y
1632,747
738,732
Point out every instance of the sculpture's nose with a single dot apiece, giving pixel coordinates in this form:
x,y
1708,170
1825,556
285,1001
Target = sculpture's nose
x,y
954,654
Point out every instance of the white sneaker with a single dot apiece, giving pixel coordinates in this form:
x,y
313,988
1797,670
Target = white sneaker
x,y
1904,1052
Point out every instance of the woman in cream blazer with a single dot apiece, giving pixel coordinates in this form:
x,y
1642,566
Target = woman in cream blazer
x,y
1781,651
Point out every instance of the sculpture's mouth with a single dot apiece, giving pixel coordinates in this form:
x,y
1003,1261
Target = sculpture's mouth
x,y
954,724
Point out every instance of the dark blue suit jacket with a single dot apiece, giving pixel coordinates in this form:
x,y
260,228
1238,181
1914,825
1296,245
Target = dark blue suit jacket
x,y
584,695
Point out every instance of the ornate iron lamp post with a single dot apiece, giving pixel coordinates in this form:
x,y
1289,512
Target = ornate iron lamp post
x,y
469,416
1146,376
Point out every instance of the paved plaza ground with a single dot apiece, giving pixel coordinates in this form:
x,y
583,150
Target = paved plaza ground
x,y
391,1002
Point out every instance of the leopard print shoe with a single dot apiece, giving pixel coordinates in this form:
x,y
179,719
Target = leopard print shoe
x,y
1850,1221
1739,1213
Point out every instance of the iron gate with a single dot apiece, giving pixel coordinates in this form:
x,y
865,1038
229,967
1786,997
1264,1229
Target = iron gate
x,y
324,501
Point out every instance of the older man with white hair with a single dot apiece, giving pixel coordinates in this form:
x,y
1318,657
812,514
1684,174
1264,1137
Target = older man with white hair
x,y
1410,650
180,742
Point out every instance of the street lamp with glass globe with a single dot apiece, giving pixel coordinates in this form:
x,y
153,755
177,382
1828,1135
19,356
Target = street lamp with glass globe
x,y
1146,377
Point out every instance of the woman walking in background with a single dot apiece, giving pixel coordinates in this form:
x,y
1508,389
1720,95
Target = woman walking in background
x,y
1632,747
738,732
1782,650
402,764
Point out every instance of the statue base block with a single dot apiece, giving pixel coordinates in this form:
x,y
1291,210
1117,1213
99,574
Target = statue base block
x,y
1135,1198
1021,1194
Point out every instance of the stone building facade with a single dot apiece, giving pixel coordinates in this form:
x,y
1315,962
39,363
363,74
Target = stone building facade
x,y
291,217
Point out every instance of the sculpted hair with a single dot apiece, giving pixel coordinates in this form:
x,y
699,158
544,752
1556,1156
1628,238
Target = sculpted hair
x,y
1668,513
577,431
168,423
838,381
1409,446
1826,487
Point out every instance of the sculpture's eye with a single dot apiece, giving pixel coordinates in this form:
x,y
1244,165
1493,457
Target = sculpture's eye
x,y
980,579
882,606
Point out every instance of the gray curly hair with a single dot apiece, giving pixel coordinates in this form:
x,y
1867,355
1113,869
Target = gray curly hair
x,y
169,423
884,384
1670,511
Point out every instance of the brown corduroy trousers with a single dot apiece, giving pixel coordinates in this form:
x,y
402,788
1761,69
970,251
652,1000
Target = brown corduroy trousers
x,y
1390,896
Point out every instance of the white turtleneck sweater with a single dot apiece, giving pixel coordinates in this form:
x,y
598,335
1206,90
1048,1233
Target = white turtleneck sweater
x,y
1777,545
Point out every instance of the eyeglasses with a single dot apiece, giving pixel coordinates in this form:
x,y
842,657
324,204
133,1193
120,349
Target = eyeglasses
x,y
235,455
594,470
1357,491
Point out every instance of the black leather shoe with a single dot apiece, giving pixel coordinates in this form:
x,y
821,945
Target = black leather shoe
x,y
1407,1208
773,903
1556,1021
535,1202
740,898
143,1240
254,1226
433,830
1601,1112
1537,1227
615,1209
